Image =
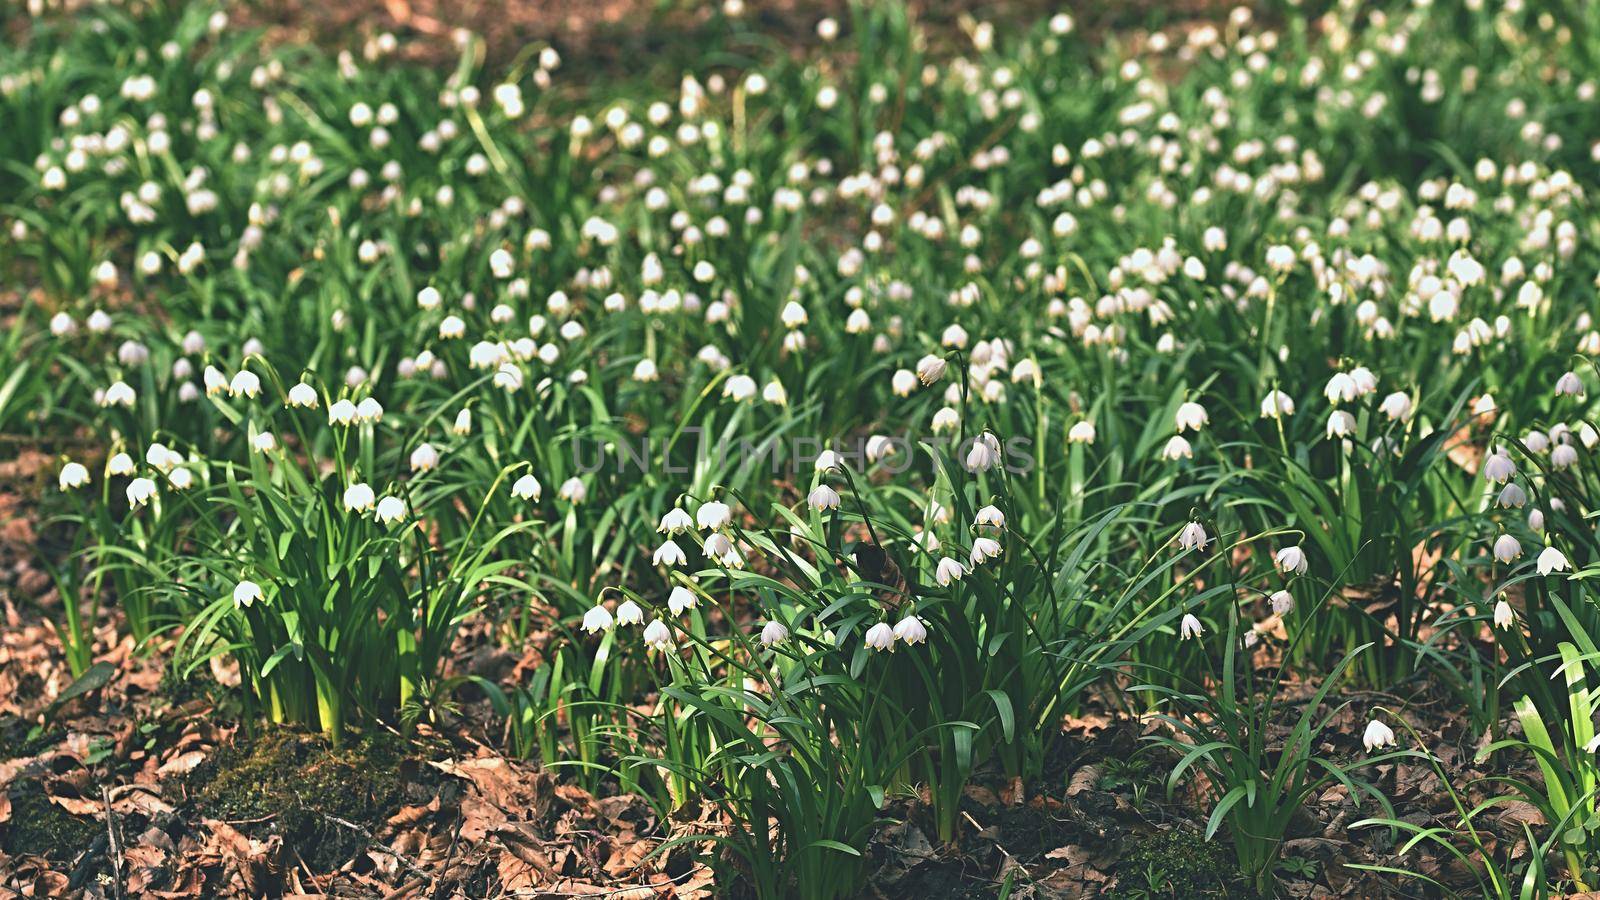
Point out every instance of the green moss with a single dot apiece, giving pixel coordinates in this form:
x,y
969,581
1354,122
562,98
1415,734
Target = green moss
x,y
41,828
295,784
18,740
1177,863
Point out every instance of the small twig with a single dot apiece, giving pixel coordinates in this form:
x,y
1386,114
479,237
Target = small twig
x,y
373,844
449,857
115,849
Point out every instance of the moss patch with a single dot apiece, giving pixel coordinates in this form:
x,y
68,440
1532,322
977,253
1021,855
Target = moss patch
x,y
1178,863
294,784
41,828
17,740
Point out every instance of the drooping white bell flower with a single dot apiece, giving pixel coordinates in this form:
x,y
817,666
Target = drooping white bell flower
x,y
1276,403
573,490
669,554
1282,602
246,593
930,369
303,395
1504,615
984,549
681,600
1569,385
1341,424
597,619
391,510
140,491
1377,736
1397,406
911,630
629,613
1193,537
1498,467
526,488
1291,560
712,515
359,497
948,570
880,637
424,458
823,497
676,521
1190,416
774,632
1506,548
657,635
342,412
992,516
1190,627
244,382
1552,560
73,475
1082,433
1177,447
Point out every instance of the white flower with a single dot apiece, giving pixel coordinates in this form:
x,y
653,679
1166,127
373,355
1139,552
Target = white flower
x,y
1563,456
264,442
1276,403
1341,388
930,369
303,394
369,410
391,510
880,637
1506,548
948,570
1291,559
1569,385
1377,735
676,521
526,488
983,456
463,423
424,458
429,298
911,630
121,464
359,497
904,381
246,593
774,632
669,554
244,382
597,619
1282,602
629,613
1498,467
573,490
739,388
181,479
718,544
342,412
1552,560
119,394
984,549
73,475
712,515
823,497
508,377
1504,615
1341,424
991,515
658,635
1082,433
1193,537
681,599
1189,627
1177,447
1397,406
140,491
1190,415
1512,496
215,381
